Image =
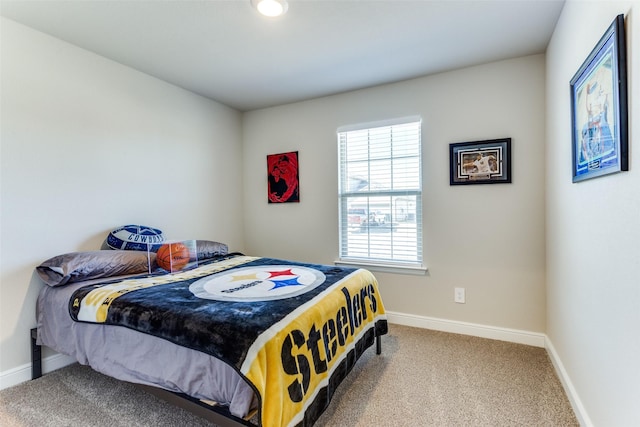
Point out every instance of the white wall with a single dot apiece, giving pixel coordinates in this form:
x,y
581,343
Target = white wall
x,y
89,145
593,234
68,116
486,238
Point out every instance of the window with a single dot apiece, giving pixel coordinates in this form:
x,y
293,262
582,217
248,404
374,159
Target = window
x,y
380,194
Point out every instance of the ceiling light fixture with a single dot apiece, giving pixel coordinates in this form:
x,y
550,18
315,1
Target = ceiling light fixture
x,y
271,8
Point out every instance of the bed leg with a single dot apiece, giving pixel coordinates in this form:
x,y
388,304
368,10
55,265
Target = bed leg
x,y
378,344
36,356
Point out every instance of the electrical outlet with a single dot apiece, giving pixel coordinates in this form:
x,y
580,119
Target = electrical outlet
x,y
458,295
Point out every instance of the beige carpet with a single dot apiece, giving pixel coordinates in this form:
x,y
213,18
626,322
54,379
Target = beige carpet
x,y
422,378
430,378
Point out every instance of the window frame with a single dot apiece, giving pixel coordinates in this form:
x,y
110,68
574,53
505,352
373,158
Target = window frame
x,y
387,265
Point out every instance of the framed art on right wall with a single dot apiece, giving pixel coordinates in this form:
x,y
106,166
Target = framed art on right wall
x,y
599,108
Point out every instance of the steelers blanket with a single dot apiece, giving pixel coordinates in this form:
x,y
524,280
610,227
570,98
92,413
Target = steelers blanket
x,y
293,330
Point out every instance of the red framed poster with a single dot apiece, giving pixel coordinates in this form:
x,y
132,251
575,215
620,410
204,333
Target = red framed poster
x,y
282,171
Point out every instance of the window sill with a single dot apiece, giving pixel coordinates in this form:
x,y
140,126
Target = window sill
x,y
385,268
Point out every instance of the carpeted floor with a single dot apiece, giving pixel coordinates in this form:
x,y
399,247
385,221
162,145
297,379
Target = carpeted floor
x,y
422,378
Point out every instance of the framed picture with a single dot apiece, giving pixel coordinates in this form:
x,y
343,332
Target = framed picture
x,y
283,180
480,162
599,108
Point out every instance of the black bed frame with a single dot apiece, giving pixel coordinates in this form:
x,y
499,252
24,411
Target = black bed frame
x,y
216,414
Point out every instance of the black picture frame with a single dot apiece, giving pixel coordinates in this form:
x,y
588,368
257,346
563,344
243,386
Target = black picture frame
x,y
599,120
480,162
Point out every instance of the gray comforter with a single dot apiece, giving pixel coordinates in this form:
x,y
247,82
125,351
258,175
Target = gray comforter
x,y
138,358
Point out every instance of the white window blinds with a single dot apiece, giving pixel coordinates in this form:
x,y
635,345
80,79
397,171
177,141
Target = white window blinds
x,y
380,194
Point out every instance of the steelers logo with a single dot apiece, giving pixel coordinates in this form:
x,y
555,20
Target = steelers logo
x,y
260,283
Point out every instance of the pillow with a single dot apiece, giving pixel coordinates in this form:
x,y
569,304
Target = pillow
x,y
79,266
207,249
135,238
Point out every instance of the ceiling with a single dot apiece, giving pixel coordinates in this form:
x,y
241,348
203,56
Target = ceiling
x,y
226,51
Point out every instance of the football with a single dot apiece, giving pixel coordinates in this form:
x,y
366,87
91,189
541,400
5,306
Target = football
x,y
135,238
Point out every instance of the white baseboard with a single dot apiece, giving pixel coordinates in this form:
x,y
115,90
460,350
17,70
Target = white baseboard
x,y
572,394
503,334
22,373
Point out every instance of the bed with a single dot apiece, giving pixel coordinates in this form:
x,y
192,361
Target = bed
x,y
260,341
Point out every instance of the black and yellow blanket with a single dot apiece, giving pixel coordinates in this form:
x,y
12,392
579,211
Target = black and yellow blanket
x,y
293,330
